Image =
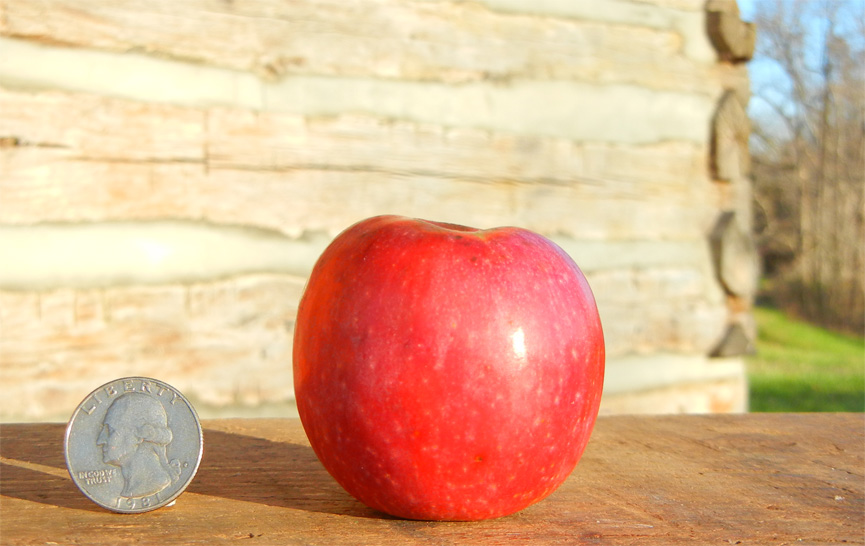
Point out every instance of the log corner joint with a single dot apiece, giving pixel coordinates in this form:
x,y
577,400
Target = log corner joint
x,y
733,39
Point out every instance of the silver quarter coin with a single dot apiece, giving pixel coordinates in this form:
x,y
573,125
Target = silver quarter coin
x,y
133,445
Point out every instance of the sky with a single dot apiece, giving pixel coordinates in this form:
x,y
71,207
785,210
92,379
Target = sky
x,y
746,9
767,78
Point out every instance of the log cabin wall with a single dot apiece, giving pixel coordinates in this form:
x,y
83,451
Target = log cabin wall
x,y
169,172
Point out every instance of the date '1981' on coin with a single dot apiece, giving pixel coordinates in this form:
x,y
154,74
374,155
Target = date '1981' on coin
x,y
133,445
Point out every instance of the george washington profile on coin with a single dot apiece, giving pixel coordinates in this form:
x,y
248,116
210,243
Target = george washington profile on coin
x,y
135,436
133,445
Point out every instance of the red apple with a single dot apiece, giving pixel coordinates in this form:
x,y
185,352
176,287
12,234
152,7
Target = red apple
x,y
444,372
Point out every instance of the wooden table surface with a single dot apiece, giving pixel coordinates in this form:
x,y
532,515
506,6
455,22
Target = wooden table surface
x,y
720,479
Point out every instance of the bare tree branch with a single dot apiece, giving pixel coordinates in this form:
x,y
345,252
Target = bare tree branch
x,y
808,140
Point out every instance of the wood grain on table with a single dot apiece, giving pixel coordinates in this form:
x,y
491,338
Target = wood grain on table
x,y
716,479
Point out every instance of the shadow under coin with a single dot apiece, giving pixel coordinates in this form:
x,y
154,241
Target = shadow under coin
x,y
234,466
40,443
251,469
35,486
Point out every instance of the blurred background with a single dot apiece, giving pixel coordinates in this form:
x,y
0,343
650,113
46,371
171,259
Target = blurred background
x,y
169,173
808,151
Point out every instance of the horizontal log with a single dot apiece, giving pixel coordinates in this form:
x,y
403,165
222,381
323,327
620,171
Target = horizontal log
x,y
398,39
684,326
582,110
223,342
718,396
240,139
677,307
635,373
628,12
685,17
51,185
228,341
100,254
93,127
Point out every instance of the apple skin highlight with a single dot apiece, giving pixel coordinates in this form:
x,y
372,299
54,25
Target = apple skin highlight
x,y
447,373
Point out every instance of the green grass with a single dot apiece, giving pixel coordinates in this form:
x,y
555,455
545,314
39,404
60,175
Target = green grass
x,y
801,368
